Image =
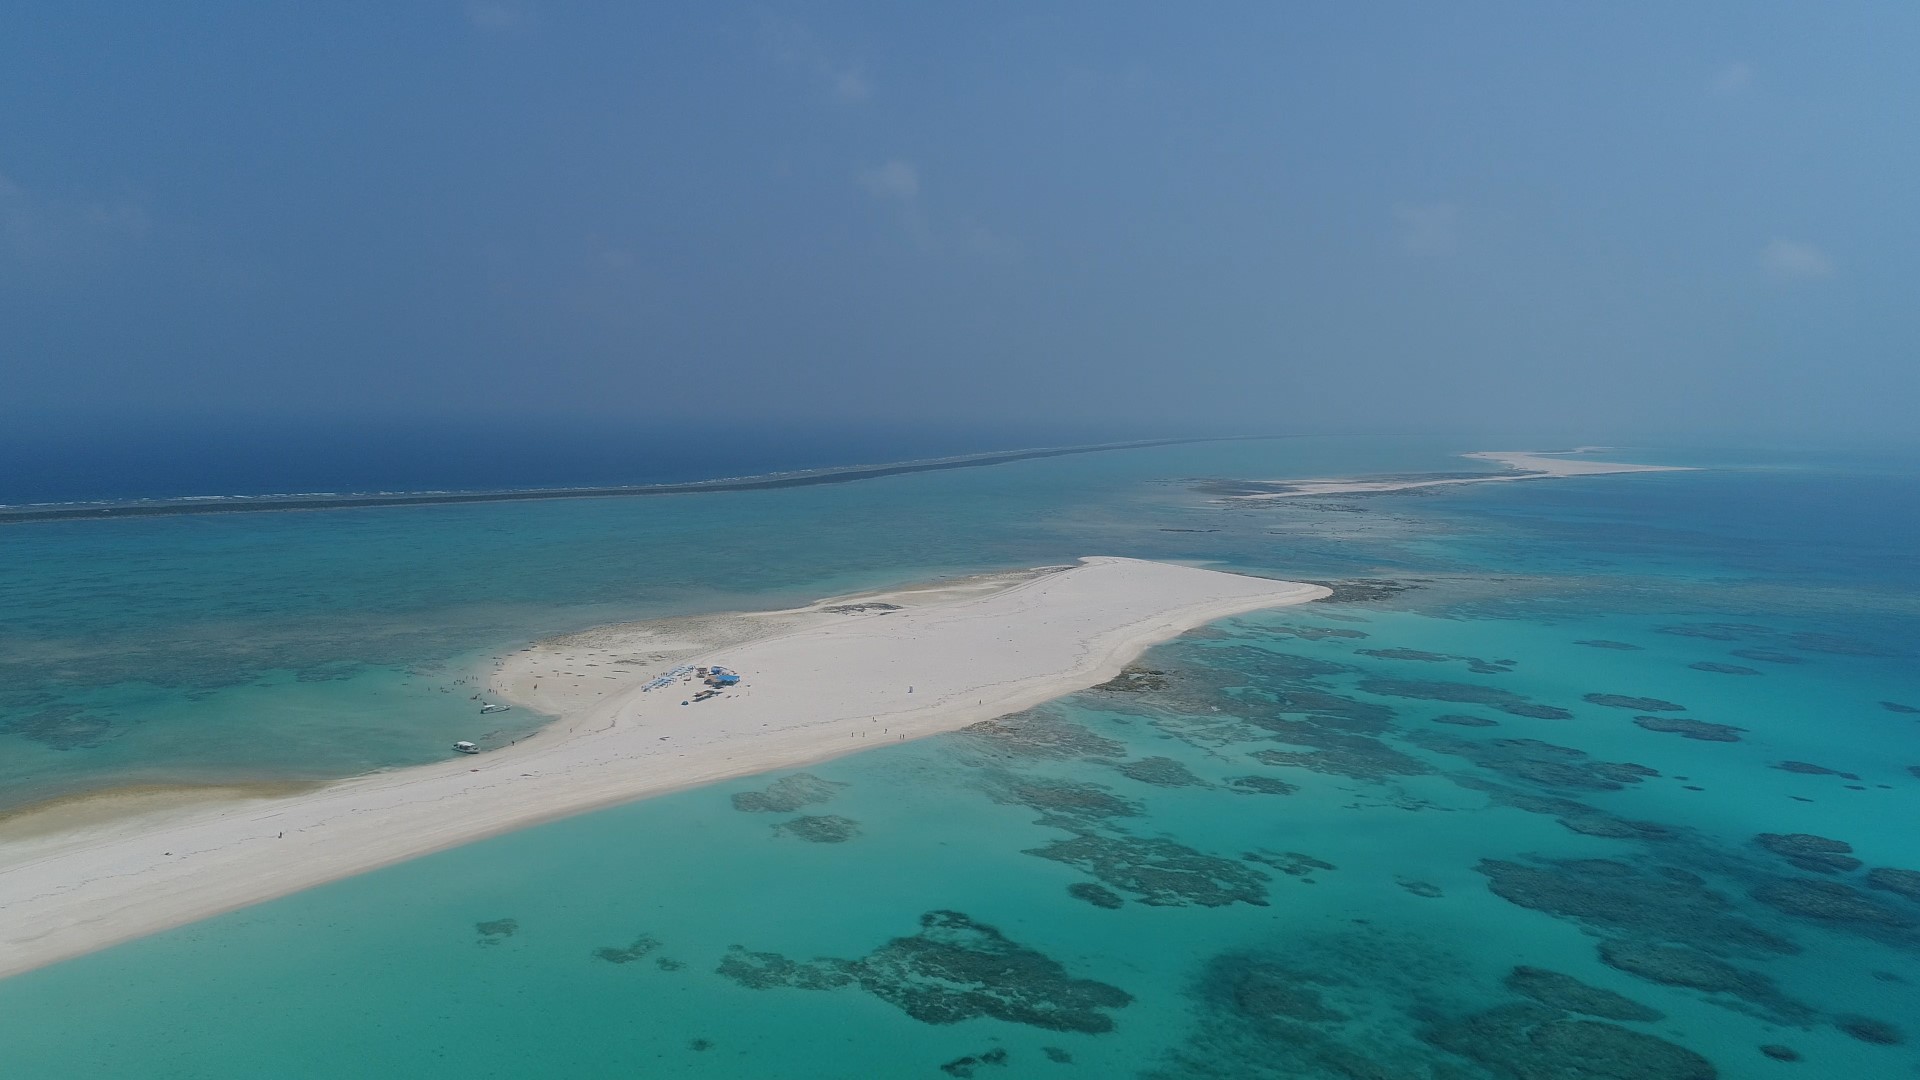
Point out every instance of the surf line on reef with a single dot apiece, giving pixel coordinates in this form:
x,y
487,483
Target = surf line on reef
x,y
827,684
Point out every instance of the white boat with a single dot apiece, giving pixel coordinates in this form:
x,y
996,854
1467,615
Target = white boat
x,y
464,747
484,709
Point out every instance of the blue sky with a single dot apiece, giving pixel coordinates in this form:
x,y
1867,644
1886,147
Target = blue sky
x,y
1643,219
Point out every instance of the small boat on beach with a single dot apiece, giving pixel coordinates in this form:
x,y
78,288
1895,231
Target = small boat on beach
x,y
485,709
464,747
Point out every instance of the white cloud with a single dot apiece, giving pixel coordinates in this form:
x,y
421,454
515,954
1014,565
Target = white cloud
x,y
896,180
493,15
1429,228
851,86
795,47
1732,80
1790,260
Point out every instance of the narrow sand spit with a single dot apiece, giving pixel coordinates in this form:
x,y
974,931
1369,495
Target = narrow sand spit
x,y
820,681
1526,465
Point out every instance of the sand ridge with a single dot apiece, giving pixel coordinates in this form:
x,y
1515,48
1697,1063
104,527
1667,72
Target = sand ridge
x,y
821,684
1525,465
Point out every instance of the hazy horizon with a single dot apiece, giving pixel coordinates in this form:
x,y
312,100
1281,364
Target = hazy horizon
x,y
1629,222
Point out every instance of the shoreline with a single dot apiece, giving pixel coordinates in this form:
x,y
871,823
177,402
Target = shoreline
x,y
819,684
1526,465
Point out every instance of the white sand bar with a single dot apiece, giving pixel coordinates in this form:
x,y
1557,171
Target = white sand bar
x,y
817,683
1525,465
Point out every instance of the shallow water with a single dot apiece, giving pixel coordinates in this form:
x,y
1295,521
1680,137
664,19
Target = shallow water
x,y
1335,917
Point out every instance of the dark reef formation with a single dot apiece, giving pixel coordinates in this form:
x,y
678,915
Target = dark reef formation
x,y
1678,965
1160,872
1134,680
1697,730
1160,772
1869,1030
1532,1042
1637,704
1713,631
1457,720
957,969
954,969
1834,903
1290,863
1538,762
1474,664
1041,733
1809,852
1568,994
637,950
1464,694
1261,785
1768,656
1807,768
825,829
1897,707
1316,633
1066,804
62,727
1096,895
768,971
1904,882
1365,590
787,794
1666,904
1353,756
497,931
1602,643
965,1067
1723,669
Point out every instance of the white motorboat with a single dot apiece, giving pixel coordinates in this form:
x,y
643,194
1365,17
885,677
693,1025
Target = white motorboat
x,y
464,747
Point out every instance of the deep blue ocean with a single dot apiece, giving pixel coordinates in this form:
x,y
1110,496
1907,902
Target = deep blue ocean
x,y
1592,778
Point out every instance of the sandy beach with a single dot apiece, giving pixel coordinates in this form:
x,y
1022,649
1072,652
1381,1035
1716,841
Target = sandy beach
x,y
832,678
1525,465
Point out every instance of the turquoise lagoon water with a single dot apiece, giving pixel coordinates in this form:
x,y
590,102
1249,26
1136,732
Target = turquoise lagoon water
x,y
1268,860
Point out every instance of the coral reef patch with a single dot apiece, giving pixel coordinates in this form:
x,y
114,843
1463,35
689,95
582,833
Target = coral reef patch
x,y
787,794
1261,785
497,931
1532,1042
1458,720
1160,872
1723,669
1904,882
1697,730
1464,694
824,829
1160,772
638,949
1568,994
1668,904
965,1067
1809,852
1041,733
1678,965
1628,701
1097,895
